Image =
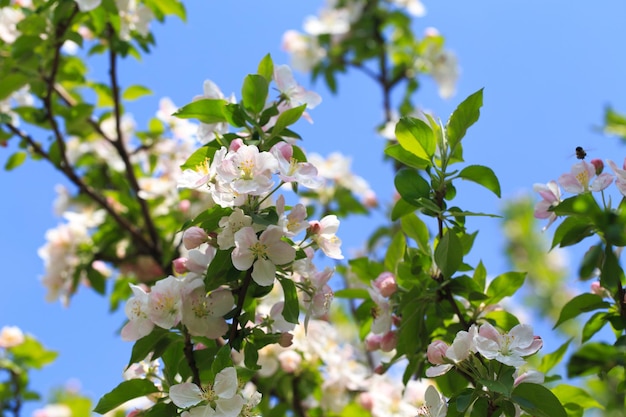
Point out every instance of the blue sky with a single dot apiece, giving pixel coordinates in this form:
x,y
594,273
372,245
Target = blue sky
x,y
548,69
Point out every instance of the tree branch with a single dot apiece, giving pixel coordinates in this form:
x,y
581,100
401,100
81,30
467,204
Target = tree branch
x,y
155,247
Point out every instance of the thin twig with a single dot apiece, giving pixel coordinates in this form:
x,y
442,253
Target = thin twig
x,y
155,247
191,360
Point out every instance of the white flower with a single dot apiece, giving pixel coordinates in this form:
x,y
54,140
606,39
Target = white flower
x,y
247,170
435,404
165,303
11,336
262,253
304,49
221,398
204,314
139,325
508,348
291,170
324,234
231,225
9,18
87,5
134,17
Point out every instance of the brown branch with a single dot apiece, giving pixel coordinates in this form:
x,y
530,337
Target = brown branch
x,y
191,360
82,187
155,247
241,299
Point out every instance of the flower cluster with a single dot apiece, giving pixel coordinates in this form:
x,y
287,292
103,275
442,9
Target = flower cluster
x,y
507,348
382,335
583,177
223,398
175,300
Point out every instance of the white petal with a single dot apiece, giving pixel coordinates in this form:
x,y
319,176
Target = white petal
x,y
185,395
226,383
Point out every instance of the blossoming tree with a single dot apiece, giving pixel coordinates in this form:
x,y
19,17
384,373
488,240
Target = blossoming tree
x,y
219,234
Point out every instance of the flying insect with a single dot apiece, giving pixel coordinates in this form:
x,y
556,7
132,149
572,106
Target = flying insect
x,y
580,153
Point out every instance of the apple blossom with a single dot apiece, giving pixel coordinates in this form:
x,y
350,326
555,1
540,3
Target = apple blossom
x,y
461,348
134,16
381,313
221,398
323,233
165,302
508,348
527,375
435,405
204,314
551,195
136,309
577,181
9,18
304,49
247,170
230,225
620,176
293,94
11,336
290,170
199,259
262,253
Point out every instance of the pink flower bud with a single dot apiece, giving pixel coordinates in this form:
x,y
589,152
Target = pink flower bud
x,y
184,205
372,342
386,284
389,341
366,401
236,144
380,369
598,165
194,237
314,227
135,413
285,149
285,340
180,265
598,289
199,346
436,352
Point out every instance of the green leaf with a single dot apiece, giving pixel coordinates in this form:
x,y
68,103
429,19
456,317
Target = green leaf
x,y
416,137
480,275
397,152
125,391
395,252
254,92
550,360
571,231
352,293
504,285
502,319
200,157
207,110
465,115
449,254
594,358
482,175
569,394
612,274
153,343
287,118
416,229
592,260
168,7
580,304
291,307
538,401
11,83
31,353
135,91
594,325
411,186
15,160
266,68
401,208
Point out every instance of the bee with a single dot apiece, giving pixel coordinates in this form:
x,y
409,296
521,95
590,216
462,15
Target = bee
x,y
580,153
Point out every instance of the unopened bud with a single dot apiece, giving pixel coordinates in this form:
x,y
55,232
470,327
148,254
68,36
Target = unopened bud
x,y
598,165
314,227
285,340
436,351
372,342
389,341
194,237
236,144
180,266
386,284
